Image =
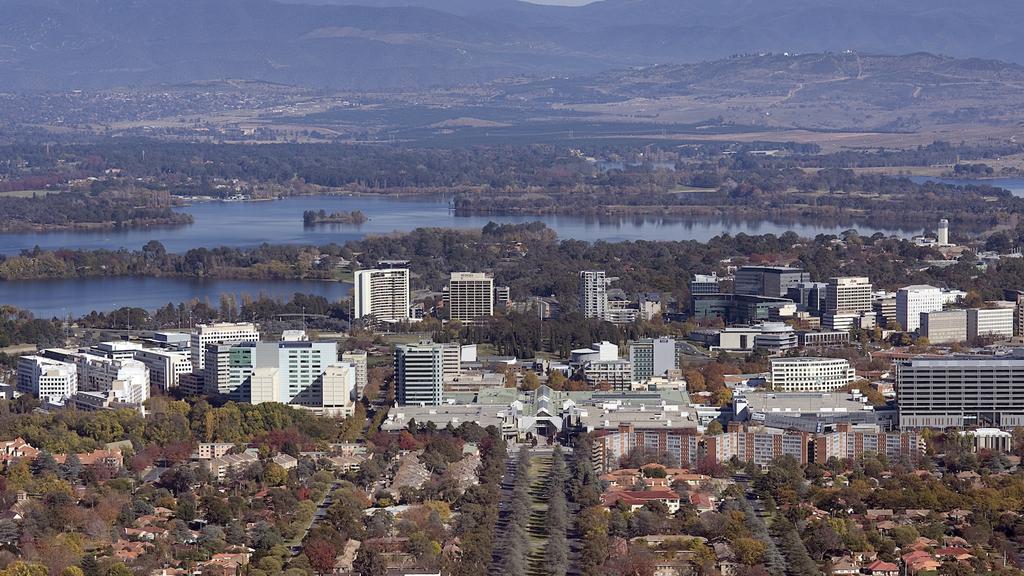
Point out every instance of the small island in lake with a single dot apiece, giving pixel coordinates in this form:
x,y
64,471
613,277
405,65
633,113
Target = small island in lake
x,y
310,217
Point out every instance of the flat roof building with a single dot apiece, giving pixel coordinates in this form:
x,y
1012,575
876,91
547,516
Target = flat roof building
x,y
382,293
961,391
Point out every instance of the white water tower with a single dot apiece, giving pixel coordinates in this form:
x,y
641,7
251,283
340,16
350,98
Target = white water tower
x,y
943,232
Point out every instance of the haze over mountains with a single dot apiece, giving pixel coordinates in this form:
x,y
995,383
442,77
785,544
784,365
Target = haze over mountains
x,y
88,44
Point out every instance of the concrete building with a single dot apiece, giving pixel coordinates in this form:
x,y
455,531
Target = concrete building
x,y
652,357
848,294
808,296
776,337
616,374
912,301
502,295
222,333
51,381
705,284
217,372
594,294
994,322
382,293
824,338
165,366
810,374
961,391
943,234
128,379
419,373
298,373
358,359
990,439
1017,298
885,308
771,281
470,296
849,442
944,327
846,321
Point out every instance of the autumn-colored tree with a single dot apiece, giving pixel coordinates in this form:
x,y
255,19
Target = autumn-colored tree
x,y
321,554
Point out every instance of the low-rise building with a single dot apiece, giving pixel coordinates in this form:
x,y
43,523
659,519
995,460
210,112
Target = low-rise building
x,y
810,374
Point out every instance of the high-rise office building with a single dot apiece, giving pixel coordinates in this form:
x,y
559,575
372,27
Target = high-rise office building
x,y
772,281
808,296
470,296
419,373
165,366
382,293
848,294
594,294
651,357
912,301
221,333
303,374
48,380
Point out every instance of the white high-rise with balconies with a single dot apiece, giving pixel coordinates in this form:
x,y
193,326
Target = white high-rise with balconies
x,y
382,293
594,294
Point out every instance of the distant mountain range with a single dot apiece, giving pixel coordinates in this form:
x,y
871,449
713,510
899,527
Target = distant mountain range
x,y
72,44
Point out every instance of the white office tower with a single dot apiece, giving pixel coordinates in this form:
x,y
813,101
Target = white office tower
x,y
165,366
419,373
49,380
221,333
995,322
358,359
943,235
470,296
912,301
339,381
382,293
303,374
594,294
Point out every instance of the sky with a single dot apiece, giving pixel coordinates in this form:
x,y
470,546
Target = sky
x,y
561,2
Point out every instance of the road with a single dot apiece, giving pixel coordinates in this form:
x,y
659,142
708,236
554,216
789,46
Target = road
x,y
318,515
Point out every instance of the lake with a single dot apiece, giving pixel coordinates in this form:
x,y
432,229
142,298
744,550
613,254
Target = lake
x,y
79,296
1014,185
248,224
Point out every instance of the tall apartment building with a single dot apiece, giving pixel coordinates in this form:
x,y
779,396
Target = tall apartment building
x,y
652,357
221,333
773,281
382,293
419,373
48,380
165,366
944,326
991,322
912,301
594,294
357,358
470,296
848,294
961,391
705,284
810,374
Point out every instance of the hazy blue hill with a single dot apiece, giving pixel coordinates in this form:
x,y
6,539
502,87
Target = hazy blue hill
x,y
61,44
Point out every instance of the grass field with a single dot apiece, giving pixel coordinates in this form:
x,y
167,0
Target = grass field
x,y
26,193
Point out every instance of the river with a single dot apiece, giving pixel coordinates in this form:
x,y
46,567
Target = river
x,y
247,224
